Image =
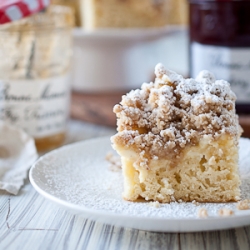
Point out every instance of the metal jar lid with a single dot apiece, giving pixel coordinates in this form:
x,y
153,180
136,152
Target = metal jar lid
x,y
219,1
12,10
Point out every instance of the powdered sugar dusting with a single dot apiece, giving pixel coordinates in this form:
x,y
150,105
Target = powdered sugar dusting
x,y
80,175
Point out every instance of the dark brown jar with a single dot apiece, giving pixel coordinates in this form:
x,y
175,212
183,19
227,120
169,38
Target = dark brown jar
x,y
220,43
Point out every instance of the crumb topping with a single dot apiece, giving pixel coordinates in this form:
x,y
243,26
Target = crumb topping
x,y
165,116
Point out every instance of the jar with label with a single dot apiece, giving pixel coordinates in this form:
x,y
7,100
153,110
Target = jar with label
x,y
220,43
35,61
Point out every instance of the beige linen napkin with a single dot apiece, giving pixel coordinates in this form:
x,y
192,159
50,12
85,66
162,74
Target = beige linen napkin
x,y
17,154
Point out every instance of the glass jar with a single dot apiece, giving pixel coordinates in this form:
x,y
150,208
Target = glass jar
x,y
220,43
74,5
35,62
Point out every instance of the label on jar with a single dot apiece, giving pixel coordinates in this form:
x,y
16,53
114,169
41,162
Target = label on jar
x,y
228,63
40,107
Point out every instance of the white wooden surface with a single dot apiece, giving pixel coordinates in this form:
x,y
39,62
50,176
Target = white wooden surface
x,y
28,221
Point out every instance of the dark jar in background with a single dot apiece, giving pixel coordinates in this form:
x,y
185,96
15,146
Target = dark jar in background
x,y
220,43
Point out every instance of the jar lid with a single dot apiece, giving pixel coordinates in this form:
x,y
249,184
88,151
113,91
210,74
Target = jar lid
x,y
12,10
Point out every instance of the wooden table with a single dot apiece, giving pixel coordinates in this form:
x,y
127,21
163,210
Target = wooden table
x,y
28,221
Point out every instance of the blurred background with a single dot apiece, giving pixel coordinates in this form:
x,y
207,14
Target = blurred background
x,y
116,47
76,58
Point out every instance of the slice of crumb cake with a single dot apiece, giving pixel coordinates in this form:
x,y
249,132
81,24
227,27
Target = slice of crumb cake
x,y
178,139
124,14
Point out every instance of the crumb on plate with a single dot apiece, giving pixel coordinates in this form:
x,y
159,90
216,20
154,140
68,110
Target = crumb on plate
x,y
115,162
243,205
155,204
202,213
195,203
225,212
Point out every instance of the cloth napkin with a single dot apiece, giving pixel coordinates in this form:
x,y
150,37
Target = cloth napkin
x,y
17,154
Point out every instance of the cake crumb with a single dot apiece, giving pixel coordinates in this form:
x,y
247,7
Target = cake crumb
x,y
202,213
195,203
180,200
225,212
237,198
243,205
172,198
115,162
155,204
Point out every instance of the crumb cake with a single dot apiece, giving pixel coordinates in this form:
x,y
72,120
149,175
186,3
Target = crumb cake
x,y
178,12
178,139
125,13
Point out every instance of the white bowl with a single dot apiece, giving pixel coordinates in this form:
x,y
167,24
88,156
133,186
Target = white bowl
x,y
116,59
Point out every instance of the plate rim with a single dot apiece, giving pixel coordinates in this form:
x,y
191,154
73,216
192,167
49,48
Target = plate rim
x,y
84,210
132,34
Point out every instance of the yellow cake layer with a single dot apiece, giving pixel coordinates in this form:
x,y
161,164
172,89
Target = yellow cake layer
x,y
206,172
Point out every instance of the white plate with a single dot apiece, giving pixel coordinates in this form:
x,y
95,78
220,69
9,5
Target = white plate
x,y
78,178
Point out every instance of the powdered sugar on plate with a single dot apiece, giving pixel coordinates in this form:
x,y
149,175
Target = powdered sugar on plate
x,y
79,175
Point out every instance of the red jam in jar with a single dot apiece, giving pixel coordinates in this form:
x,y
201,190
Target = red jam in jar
x,y
220,43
